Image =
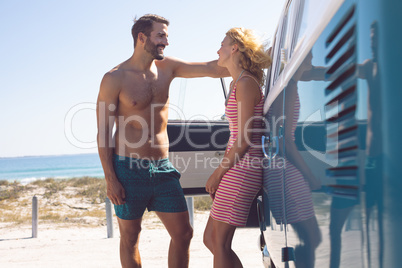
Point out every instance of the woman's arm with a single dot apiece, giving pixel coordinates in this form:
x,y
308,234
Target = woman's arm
x,y
247,96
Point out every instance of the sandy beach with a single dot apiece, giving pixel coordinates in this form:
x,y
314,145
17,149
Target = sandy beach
x,y
80,239
75,246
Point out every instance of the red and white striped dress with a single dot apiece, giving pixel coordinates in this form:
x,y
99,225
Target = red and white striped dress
x,y
241,183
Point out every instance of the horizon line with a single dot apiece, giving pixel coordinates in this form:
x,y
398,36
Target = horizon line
x,y
46,155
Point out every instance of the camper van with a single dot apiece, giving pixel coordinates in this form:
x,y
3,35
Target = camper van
x,y
332,181
332,186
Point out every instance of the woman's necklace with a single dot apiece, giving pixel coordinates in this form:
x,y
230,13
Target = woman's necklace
x,y
232,86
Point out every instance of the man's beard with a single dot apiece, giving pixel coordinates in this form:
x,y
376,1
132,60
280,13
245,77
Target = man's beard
x,y
153,50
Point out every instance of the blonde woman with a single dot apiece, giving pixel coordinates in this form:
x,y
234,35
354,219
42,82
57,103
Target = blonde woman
x,y
236,181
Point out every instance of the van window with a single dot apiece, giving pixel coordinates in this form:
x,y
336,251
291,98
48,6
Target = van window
x,y
300,24
284,39
278,55
200,99
307,18
292,16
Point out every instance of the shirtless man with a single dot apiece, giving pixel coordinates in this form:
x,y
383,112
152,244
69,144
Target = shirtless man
x,y
135,96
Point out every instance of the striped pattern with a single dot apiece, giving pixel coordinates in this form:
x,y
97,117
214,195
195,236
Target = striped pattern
x,y
242,182
288,191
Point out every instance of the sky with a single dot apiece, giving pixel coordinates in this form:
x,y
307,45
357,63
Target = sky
x,y
54,54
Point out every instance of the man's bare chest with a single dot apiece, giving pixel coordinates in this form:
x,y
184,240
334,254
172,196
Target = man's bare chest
x,y
142,93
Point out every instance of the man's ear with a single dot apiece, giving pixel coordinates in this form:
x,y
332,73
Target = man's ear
x,y
142,37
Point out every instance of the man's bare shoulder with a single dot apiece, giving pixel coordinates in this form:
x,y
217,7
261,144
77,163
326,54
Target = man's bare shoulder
x,y
111,81
113,78
116,73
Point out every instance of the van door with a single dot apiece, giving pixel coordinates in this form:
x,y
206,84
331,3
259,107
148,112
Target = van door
x,y
196,149
322,150
274,198
197,129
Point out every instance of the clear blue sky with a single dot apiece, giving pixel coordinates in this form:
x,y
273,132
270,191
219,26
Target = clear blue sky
x,y
55,53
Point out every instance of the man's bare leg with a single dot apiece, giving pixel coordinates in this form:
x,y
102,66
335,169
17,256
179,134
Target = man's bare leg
x,y
129,238
208,235
181,232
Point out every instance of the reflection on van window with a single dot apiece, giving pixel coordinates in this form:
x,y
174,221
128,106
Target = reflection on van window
x,y
290,31
284,39
301,24
279,55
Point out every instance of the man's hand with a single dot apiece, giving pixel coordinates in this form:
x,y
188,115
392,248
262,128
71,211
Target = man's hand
x,y
115,192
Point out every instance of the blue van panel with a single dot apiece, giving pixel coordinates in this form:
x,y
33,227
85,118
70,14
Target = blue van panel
x,y
334,191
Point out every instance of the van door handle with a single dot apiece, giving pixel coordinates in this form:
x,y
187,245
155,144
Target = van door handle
x,y
267,139
276,142
263,139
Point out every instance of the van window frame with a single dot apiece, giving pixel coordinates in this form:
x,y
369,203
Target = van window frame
x,y
275,53
286,39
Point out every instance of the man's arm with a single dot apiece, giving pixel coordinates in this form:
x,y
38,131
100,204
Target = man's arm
x,y
184,69
106,113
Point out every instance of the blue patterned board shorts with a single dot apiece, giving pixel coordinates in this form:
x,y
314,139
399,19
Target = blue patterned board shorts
x,y
148,184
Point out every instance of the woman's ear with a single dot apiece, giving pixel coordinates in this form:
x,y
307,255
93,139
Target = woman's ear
x,y
235,47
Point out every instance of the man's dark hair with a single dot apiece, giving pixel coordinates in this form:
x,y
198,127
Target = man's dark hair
x,y
145,25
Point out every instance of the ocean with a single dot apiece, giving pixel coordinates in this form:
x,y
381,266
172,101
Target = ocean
x,y
30,168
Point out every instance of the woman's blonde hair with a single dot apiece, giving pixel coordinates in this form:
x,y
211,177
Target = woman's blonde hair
x,y
253,55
